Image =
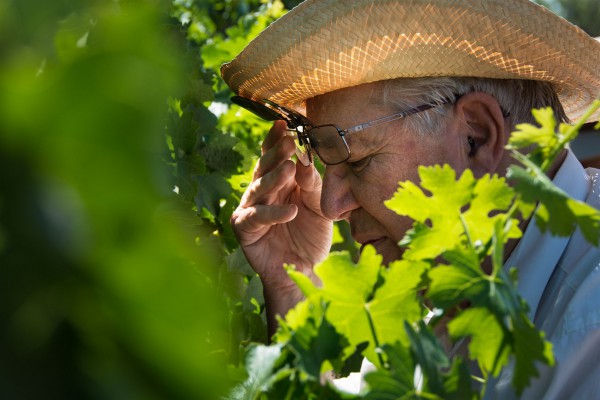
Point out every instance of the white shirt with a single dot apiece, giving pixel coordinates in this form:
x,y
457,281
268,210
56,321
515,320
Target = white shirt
x,y
560,280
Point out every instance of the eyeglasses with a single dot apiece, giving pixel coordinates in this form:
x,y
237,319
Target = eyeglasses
x,y
327,141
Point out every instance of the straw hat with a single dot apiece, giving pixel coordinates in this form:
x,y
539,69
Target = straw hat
x,y
324,45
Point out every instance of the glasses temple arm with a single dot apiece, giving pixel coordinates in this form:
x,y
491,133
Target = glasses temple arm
x,y
395,117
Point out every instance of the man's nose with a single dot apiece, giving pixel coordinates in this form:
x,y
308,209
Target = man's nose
x,y
337,198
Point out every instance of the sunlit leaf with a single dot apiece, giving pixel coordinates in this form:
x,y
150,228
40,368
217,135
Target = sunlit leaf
x,y
487,340
557,212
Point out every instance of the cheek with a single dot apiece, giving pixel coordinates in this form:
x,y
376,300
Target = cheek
x,y
373,189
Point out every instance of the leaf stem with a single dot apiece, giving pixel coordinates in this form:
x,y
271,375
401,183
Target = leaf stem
x,y
375,339
466,229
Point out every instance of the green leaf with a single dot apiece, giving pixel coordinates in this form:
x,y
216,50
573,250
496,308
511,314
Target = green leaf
x,y
337,236
314,343
557,212
220,155
429,354
451,285
544,136
487,344
441,377
237,263
347,282
529,348
441,216
397,380
227,235
348,287
211,190
184,131
302,281
490,195
447,197
457,382
198,92
260,362
396,299
368,302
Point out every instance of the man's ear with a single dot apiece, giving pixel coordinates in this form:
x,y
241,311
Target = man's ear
x,y
483,132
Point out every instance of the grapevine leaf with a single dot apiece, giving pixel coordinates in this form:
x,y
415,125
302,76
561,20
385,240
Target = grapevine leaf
x,y
337,236
239,182
487,343
450,285
346,282
396,300
352,363
557,212
441,217
543,136
189,166
398,380
348,287
212,189
302,281
429,354
367,301
237,263
448,195
457,382
260,362
490,194
438,215
313,339
198,92
220,155
227,236
184,131
295,318
530,347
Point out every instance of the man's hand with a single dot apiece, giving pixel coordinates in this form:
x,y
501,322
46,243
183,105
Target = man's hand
x,y
279,221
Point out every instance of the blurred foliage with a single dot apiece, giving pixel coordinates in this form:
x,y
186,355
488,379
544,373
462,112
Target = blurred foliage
x,y
107,276
583,13
122,162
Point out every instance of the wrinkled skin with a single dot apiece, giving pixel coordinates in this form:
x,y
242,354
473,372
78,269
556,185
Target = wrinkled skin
x,y
286,214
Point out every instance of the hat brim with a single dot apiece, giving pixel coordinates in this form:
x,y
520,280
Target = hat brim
x,y
324,45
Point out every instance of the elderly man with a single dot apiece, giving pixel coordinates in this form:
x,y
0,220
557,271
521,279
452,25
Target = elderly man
x,y
376,88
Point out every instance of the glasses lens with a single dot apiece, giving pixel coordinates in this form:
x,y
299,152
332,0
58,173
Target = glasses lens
x,y
328,144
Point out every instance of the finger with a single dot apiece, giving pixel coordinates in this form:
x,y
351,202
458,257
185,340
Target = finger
x,y
254,220
310,183
275,156
267,188
275,134
308,178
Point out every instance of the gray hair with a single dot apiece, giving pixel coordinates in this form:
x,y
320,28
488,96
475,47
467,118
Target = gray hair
x,y
516,98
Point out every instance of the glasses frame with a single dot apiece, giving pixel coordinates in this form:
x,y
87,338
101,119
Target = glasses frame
x,y
270,111
383,120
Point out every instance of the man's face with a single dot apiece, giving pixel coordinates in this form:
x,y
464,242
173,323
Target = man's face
x,y
381,156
